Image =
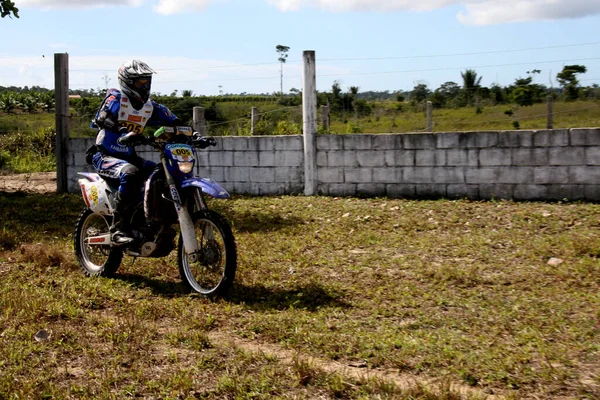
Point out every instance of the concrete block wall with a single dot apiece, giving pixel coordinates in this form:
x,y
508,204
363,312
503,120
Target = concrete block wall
x,y
257,165
519,165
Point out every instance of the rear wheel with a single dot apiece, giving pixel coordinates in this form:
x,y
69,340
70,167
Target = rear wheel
x,y
95,260
211,271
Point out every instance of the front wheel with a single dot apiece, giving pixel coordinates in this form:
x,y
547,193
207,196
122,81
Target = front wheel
x,y
95,260
211,270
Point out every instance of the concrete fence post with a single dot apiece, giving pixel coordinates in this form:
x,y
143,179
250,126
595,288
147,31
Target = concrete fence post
x,y
63,126
325,117
550,117
429,117
199,120
309,117
254,120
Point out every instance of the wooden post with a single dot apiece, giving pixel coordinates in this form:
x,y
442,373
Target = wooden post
x,y
61,98
325,117
550,116
199,120
309,117
254,120
429,117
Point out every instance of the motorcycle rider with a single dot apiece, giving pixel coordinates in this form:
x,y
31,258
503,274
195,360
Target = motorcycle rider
x,y
120,121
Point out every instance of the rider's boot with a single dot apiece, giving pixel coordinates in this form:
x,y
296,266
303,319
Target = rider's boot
x,y
119,233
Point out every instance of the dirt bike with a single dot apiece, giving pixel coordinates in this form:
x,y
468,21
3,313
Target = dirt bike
x,y
172,204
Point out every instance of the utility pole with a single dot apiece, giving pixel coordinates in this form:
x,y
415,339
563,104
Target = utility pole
x,y
309,117
63,119
106,80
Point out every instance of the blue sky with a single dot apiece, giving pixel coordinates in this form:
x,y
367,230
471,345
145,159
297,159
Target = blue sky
x,y
209,46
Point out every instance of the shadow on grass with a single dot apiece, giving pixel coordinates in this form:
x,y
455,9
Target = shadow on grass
x,y
311,297
159,287
31,217
255,220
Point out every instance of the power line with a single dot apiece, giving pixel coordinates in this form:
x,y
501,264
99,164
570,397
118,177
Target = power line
x,y
191,68
369,58
460,68
382,72
458,54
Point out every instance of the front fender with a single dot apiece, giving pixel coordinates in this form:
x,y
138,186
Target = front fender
x,y
207,186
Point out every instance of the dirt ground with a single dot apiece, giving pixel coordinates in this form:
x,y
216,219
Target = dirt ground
x,y
39,182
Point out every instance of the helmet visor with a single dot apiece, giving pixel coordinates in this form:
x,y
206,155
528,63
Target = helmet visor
x,y
142,83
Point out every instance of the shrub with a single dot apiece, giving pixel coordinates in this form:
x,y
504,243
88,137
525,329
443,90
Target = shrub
x,y
287,128
353,128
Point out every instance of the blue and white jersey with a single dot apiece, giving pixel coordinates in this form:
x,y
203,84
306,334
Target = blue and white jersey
x,y
119,108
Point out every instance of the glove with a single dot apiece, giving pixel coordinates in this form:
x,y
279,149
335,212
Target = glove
x,y
130,139
211,141
203,142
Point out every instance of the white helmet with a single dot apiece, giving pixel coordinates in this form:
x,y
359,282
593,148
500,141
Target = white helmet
x,y
135,79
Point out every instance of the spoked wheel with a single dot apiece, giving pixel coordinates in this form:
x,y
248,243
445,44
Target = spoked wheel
x,y
95,260
211,271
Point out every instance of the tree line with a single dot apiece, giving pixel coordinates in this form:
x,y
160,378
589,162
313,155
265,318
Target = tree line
x,y
523,92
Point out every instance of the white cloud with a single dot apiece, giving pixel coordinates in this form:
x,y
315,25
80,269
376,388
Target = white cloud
x,y
474,12
477,12
361,5
54,4
168,7
486,12
165,7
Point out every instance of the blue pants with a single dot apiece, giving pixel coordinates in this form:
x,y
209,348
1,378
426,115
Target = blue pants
x,y
130,173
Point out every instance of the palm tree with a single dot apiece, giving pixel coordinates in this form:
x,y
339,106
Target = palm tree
x,y
470,83
7,8
282,51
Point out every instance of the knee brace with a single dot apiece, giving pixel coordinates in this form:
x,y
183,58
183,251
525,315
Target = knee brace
x,y
129,180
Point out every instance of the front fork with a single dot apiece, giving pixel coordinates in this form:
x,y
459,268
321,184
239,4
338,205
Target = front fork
x,y
186,224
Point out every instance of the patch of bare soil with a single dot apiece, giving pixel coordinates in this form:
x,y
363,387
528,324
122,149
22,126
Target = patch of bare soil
x,y
35,182
356,371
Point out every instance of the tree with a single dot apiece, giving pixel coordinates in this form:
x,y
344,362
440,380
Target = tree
x,y
420,92
498,94
444,94
282,51
471,83
569,81
336,96
522,94
353,93
449,89
7,7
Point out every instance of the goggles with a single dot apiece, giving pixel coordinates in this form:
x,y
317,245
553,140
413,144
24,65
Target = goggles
x,y
142,83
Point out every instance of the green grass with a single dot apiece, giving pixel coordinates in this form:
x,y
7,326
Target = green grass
x,y
456,290
10,123
386,119
28,151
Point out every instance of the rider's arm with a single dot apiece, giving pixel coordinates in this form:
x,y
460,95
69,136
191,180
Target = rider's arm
x,y
162,116
107,115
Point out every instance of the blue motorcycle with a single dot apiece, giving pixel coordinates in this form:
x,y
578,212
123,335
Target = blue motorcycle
x,y
172,209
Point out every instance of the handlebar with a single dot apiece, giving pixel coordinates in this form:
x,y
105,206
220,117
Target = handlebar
x,y
194,139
